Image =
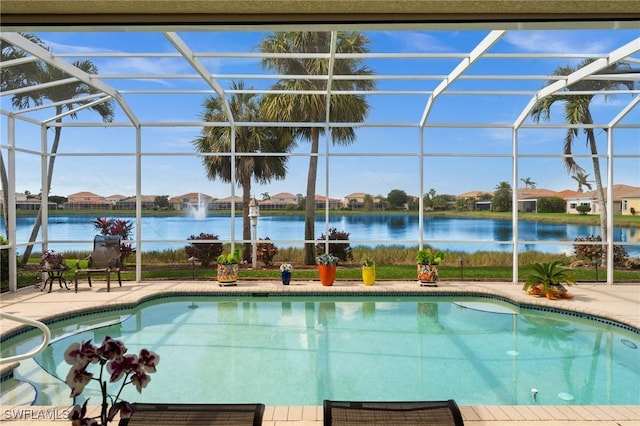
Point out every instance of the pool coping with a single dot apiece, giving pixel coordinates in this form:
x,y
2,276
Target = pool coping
x,y
619,303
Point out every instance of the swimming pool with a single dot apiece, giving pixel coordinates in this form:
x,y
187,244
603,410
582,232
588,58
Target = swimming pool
x,y
301,350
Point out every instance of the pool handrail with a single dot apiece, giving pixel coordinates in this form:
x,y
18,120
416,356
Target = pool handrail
x,y
37,324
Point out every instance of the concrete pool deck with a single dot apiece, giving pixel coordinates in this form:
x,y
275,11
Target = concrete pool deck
x,y
620,302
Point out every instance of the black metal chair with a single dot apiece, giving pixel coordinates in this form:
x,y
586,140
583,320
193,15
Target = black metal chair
x,y
433,413
147,414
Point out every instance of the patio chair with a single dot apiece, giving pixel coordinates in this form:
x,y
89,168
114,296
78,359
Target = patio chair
x,y
437,413
195,414
104,259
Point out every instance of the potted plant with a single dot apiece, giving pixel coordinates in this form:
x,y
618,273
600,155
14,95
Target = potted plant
x,y
285,273
428,262
546,279
327,265
228,267
52,260
368,271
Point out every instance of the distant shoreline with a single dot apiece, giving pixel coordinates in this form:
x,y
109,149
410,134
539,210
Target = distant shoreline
x,y
594,220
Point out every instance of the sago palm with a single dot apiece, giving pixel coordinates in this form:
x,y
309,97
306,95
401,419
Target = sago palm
x,y
576,111
312,108
547,275
245,108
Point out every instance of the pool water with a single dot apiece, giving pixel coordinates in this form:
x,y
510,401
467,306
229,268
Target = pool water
x,y
299,351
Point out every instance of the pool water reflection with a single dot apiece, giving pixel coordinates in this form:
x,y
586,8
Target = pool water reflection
x,y
299,351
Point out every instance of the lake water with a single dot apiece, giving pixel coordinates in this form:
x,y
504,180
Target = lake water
x,y
75,232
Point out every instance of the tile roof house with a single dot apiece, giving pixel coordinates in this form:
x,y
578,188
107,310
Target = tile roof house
x,y
87,200
625,197
279,201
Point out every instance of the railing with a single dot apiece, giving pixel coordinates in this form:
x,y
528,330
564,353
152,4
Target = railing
x,y
37,324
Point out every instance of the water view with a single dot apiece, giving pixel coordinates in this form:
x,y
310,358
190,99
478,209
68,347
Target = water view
x,y
75,232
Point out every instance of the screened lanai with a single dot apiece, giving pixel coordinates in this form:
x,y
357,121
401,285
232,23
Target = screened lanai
x,y
450,109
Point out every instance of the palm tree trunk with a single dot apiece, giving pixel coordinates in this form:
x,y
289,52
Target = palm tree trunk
x,y
52,159
5,196
602,206
246,222
310,202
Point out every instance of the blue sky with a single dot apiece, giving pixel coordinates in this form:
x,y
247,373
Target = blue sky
x,y
458,159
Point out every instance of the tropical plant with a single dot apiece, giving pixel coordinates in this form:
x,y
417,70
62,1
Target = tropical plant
x,y
15,77
582,179
205,252
547,278
502,197
113,360
74,95
576,111
244,107
368,262
119,227
266,251
312,108
4,260
342,251
230,258
528,183
51,259
326,259
429,257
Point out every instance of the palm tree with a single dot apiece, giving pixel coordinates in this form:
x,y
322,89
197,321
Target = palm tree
x,y
576,111
582,178
245,108
502,197
312,108
44,73
528,183
15,77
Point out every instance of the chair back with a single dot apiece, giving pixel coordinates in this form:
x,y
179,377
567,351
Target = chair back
x,y
406,413
106,252
195,414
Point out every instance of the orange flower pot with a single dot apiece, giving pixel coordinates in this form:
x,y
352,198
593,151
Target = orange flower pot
x,y
327,274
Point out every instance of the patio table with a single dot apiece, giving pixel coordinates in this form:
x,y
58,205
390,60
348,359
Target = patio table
x,y
53,274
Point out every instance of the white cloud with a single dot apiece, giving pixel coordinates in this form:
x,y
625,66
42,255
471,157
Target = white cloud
x,y
554,42
418,42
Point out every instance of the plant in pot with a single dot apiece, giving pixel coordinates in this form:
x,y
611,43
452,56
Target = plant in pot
x,y
368,271
546,279
228,267
428,261
327,265
285,273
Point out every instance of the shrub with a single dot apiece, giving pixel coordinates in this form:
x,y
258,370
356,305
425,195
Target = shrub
x,y
583,209
266,251
342,251
552,205
595,251
4,260
205,252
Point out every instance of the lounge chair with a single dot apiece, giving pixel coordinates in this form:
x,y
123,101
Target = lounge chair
x,y
195,414
437,413
104,259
